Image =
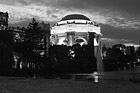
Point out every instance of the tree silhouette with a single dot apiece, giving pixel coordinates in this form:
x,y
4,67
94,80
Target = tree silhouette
x,y
132,56
138,52
33,43
6,52
138,56
120,57
31,46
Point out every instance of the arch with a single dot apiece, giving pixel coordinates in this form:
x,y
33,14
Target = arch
x,y
62,41
80,40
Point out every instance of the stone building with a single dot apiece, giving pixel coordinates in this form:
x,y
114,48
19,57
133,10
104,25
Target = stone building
x,y
3,20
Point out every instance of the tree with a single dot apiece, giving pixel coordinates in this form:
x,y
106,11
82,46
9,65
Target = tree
x,y
138,52
6,52
104,51
132,57
31,46
115,58
33,42
138,56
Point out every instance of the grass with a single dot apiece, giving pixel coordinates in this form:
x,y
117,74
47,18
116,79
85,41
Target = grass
x,y
38,85
111,83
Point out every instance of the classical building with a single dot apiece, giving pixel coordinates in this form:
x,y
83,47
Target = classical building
x,y
78,29
3,20
73,29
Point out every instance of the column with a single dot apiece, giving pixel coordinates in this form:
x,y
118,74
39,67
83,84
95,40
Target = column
x,y
71,38
99,56
95,42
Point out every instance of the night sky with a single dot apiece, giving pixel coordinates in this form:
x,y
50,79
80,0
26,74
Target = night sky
x,y
119,19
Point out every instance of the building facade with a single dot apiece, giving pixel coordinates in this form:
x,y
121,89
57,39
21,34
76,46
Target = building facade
x,y
73,29
3,20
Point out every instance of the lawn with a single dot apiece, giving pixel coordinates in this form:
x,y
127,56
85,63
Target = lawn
x,y
111,83
38,85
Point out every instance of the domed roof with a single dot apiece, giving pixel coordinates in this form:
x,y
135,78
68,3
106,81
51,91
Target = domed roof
x,y
75,16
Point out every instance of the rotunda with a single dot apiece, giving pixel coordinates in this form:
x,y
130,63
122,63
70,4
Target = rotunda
x,y
73,29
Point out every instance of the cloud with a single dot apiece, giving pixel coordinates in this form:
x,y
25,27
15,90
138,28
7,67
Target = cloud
x,y
19,13
54,10
130,6
115,40
132,44
109,42
108,39
120,20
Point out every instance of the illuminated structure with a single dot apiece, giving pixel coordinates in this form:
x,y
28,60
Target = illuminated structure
x,y
3,21
78,29
73,29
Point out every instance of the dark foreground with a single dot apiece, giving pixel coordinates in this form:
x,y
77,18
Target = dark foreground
x,y
39,85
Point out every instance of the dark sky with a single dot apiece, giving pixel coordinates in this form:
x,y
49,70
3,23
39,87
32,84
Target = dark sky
x,y
130,6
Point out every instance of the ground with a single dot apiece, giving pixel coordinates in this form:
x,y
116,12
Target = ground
x,y
31,85
111,83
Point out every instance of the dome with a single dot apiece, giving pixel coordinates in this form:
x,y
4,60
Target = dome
x,y
75,16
